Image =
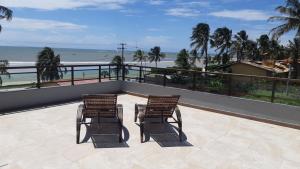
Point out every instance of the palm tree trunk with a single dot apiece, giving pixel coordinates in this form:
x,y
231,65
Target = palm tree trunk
x,y
206,60
296,57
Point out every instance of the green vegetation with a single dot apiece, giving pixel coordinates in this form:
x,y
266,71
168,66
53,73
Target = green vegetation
x,y
140,56
3,69
155,55
290,16
182,60
117,60
200,39
48,65
5,13
221,40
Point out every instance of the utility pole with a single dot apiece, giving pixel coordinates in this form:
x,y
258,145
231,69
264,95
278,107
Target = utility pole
x,y
122,48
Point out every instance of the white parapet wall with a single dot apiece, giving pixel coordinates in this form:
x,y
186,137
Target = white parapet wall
x,y
29,98
257,110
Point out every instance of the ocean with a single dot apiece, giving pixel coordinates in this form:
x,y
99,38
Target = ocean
x,y
27,56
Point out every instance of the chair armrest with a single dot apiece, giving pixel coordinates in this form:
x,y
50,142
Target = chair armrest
x,y
120,112
178,114
79,113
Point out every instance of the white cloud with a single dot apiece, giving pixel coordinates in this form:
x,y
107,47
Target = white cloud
x,y
153,29
183,12
156,40
38,24
58,39
156,2
246,14
195,4
66,4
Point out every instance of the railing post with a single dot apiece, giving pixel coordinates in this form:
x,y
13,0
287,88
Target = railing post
x,y
109,72
165,78
194,80
123,72
140,75
273,90
229,85
100,75
117,71
72,75
38,78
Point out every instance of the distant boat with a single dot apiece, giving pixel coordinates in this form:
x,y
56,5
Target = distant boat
x,y
73,54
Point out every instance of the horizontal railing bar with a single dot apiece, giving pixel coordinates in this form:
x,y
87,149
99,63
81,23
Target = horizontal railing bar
x,y
158,68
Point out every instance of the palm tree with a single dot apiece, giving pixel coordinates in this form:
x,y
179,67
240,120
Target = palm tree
x,y
290,18
140,56
276,50
5,13
293,52
182,60
239,45
48,65
118,61
3,69
221,40
251,51
194,57
155,55
200,38
264,46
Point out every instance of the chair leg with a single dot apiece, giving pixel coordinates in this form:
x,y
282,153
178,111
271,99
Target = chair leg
x,y
120,132
78,125
180,131
142,131
135,113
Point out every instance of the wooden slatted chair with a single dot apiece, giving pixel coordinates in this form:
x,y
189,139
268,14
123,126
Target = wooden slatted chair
x,y
99,106
162,107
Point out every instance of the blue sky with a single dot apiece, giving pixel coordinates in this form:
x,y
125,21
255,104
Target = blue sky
x,y
103,24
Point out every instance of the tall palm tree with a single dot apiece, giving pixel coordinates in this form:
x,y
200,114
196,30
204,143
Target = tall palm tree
x,y
264,46
200,38
5,13
49,65
239,45
251,51
155,55
140,56
290,18
194,56
118,61
276,50
221,40
293,52
182,60
3,69
291,21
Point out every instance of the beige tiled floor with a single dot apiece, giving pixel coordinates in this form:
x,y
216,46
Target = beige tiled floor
x,y
45,139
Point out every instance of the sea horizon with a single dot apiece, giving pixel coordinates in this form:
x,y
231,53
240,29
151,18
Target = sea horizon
x,y
27,56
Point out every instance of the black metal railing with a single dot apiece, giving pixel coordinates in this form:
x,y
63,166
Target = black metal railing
x,y
273,89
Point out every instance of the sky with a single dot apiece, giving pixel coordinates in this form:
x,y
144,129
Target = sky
x,y
103,24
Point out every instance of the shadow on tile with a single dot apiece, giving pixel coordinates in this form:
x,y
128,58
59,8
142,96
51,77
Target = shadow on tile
x,y
106,135
166,135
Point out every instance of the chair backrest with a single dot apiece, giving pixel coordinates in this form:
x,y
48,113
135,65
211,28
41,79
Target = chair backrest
x,y
161,105
100,105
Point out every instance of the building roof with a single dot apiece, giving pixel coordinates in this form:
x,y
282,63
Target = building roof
x,y
276,68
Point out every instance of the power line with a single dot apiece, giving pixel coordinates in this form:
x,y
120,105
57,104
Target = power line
x,y
122,48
